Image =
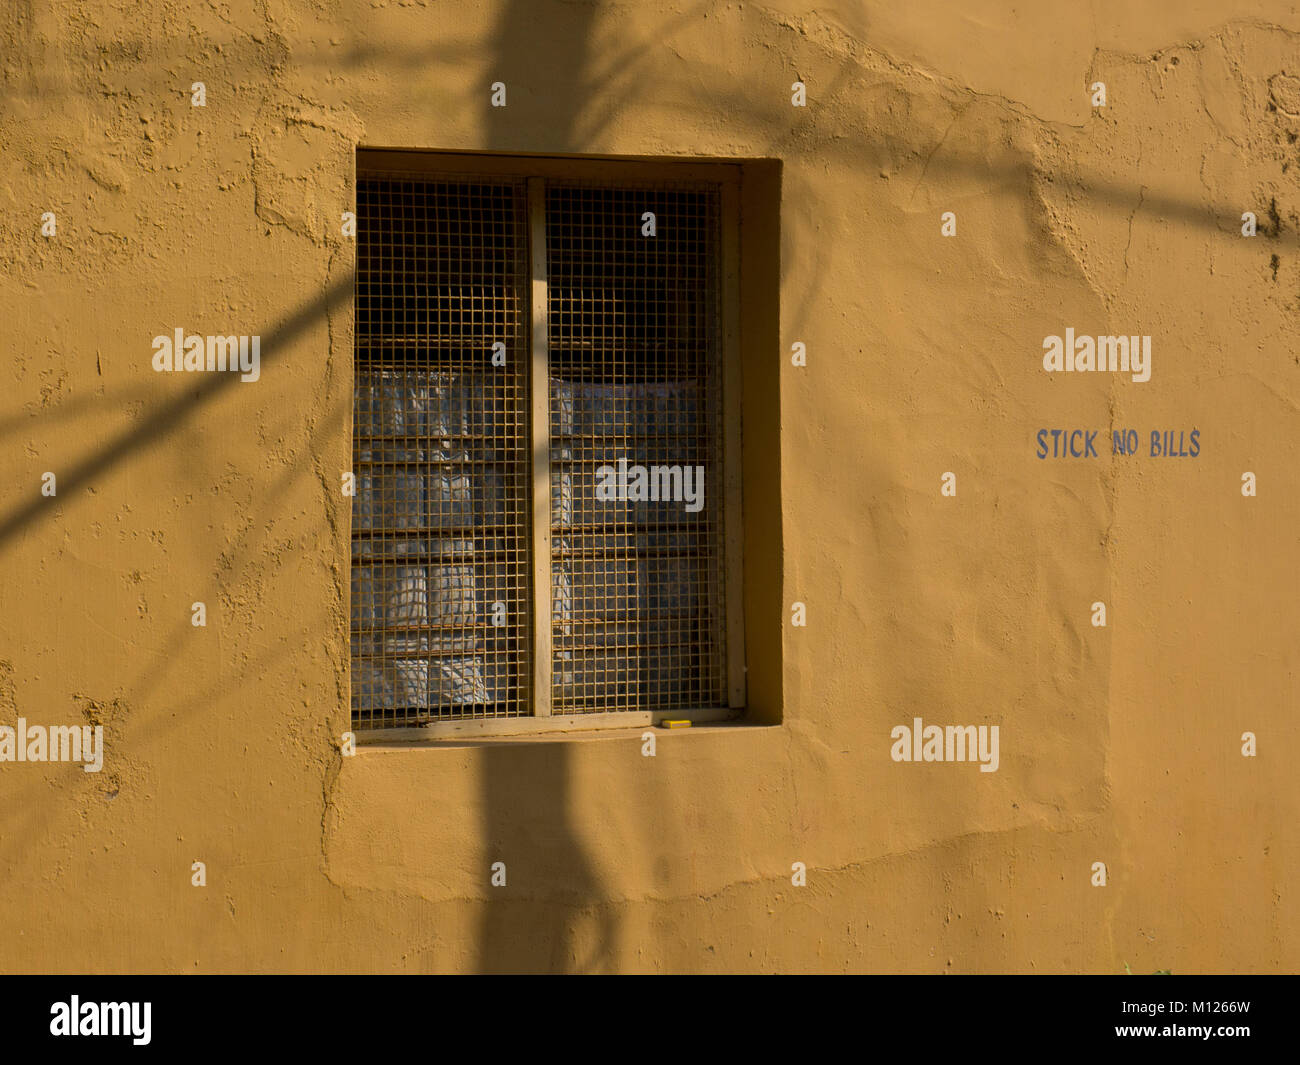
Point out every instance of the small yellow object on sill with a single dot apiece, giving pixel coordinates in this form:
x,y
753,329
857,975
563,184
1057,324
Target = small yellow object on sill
x,y
678,723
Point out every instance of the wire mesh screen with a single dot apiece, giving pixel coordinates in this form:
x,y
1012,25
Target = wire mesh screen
x,y
441,585
636,465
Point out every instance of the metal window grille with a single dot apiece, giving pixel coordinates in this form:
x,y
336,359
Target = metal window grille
x,y
612,362
440,533
635,375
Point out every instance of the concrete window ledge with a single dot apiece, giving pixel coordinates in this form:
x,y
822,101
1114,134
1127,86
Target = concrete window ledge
x,y
427,739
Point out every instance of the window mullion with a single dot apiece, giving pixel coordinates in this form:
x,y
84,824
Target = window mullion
x,y
541,450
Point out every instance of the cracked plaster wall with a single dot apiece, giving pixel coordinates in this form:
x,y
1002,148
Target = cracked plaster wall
x,y
1119,745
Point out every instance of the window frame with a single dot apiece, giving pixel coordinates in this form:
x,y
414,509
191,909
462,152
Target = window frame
x,y
535,170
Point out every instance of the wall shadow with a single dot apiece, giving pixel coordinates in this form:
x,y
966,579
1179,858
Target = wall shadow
x,y
529,925
552,895
172,414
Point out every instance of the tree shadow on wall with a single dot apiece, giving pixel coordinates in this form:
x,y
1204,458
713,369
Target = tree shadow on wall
x,y
531,923
171,415
550,916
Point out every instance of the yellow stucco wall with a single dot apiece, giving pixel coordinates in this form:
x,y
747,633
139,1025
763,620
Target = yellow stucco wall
x,y
1119,744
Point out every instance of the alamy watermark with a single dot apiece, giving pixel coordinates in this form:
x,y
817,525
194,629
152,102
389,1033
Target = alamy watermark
x,y
242,355
1109,354
57,743
946,743
676,484
102,1018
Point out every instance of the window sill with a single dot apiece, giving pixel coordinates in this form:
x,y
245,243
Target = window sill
x,y
559,728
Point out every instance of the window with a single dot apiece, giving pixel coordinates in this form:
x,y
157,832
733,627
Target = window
x,y
546,444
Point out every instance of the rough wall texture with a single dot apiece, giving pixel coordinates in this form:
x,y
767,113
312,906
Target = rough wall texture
x,y
1119,744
